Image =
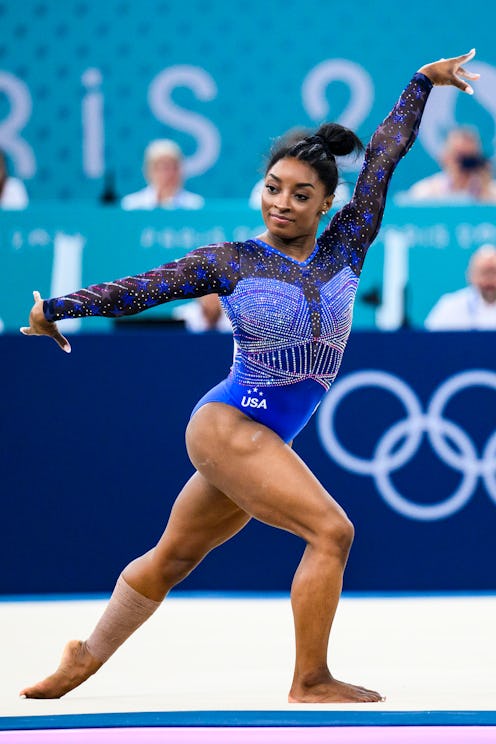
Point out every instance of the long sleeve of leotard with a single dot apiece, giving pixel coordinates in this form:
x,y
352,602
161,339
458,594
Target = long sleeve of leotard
x,y
214,268
356,225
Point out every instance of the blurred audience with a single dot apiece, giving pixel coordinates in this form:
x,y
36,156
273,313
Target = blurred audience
x,y
203,314
13,194
474,307
466,173
164,174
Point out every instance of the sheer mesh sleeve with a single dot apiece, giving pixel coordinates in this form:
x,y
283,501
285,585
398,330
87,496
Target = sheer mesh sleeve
x,y
356,225
207,270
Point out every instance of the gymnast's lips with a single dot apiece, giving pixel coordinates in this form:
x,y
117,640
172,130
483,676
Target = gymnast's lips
x,y
280,218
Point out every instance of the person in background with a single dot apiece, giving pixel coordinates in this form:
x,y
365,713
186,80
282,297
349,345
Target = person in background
x,y
203,314
292,136
466,173
474,307
13,194
164,173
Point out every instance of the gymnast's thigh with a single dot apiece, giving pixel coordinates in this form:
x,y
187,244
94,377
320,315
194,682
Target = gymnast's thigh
x,y
254,467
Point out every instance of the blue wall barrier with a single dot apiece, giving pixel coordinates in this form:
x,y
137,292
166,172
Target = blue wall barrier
x,y
57,249
92,457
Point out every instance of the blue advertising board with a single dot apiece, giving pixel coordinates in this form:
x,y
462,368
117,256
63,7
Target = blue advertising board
x,y
93,456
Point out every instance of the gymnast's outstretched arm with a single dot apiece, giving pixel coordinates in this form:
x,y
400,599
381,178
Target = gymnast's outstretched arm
x,y
356,225
207,270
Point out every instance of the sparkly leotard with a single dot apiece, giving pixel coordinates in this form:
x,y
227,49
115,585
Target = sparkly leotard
x,y
291,320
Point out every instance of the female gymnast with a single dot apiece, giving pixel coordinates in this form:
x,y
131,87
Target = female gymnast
x,y
290,299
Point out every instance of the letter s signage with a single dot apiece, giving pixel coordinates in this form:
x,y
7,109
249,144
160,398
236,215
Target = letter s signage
x,y
168,112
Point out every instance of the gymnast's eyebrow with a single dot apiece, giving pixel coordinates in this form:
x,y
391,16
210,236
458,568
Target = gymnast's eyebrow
x,y
299,185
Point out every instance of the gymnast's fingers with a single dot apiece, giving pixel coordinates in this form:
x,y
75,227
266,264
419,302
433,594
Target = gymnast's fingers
x,y
470,75
462,85
465,57
61,340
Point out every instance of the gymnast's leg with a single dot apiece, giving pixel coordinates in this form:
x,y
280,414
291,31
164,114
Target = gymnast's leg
x,y
201,519
252,465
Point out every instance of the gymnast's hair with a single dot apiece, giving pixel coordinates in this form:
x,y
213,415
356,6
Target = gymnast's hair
x,y
319,150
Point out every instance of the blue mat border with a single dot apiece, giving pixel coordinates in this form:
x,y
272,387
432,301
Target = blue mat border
x,y
244,718
213,594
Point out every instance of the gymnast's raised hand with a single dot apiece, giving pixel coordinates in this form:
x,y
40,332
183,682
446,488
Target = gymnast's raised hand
x,y
451,71
39,326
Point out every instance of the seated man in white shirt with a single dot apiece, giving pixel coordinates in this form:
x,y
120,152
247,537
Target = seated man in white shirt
x,y
203,314
474,307
164,173
13,194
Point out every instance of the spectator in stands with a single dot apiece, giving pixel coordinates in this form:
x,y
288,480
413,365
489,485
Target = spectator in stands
x,y
164,173
466,173
203,314
474,307
13,194
291,137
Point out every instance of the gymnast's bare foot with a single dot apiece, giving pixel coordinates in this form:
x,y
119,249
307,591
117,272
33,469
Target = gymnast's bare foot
x,y
330,690
76,665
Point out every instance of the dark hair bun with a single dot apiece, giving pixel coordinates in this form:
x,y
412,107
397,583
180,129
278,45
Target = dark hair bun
x,y
319,151
338,140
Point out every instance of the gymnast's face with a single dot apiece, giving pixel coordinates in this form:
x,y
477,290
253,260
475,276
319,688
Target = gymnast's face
x,y
293,199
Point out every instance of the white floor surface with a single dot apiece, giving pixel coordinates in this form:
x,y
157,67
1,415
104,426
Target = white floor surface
x,y
422,653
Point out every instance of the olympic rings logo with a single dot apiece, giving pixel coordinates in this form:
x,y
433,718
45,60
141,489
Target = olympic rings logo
x,y
400,442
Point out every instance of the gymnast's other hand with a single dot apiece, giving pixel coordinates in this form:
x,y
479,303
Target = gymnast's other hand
x,y
40,326
451,71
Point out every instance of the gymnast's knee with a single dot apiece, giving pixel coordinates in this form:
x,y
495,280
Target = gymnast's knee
x,y
335,536
175,567
162,569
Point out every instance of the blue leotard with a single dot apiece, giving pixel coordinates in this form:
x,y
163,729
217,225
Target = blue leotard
x,y
291,320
